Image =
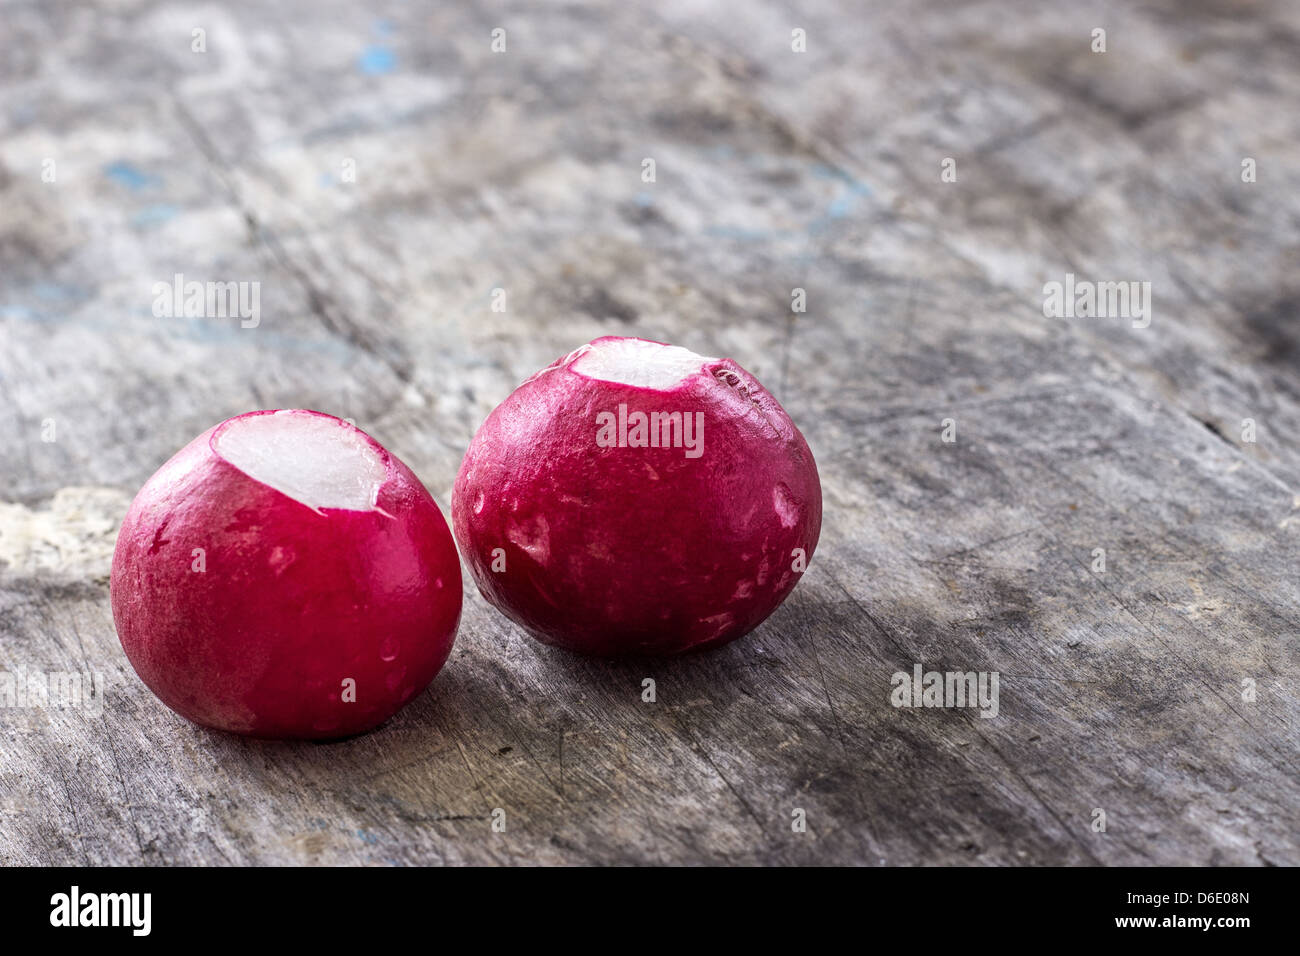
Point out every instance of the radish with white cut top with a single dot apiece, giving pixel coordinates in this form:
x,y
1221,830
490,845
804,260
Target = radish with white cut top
x,y
638,498
283,575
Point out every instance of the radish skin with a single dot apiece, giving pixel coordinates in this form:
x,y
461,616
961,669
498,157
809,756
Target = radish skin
x,y
605,537
309,591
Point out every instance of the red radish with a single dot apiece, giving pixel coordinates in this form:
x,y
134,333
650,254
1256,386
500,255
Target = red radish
x,y
283,575
635,497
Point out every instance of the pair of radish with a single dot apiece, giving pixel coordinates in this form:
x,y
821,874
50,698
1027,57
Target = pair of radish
x,y
284,575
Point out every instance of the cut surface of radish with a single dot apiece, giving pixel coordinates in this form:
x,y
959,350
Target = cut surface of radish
x,y
317,460
639,363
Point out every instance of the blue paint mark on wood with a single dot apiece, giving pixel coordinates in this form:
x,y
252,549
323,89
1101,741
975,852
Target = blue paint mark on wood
x,y
377,60
56,292
154,215
132,177
843,204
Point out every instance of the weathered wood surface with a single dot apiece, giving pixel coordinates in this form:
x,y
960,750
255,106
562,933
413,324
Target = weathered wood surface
x,y
1120,691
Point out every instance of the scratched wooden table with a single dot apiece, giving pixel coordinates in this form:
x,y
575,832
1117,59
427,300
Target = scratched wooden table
x,y
1114,528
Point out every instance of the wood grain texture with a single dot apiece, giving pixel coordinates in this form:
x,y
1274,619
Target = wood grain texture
x,y
1120,691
